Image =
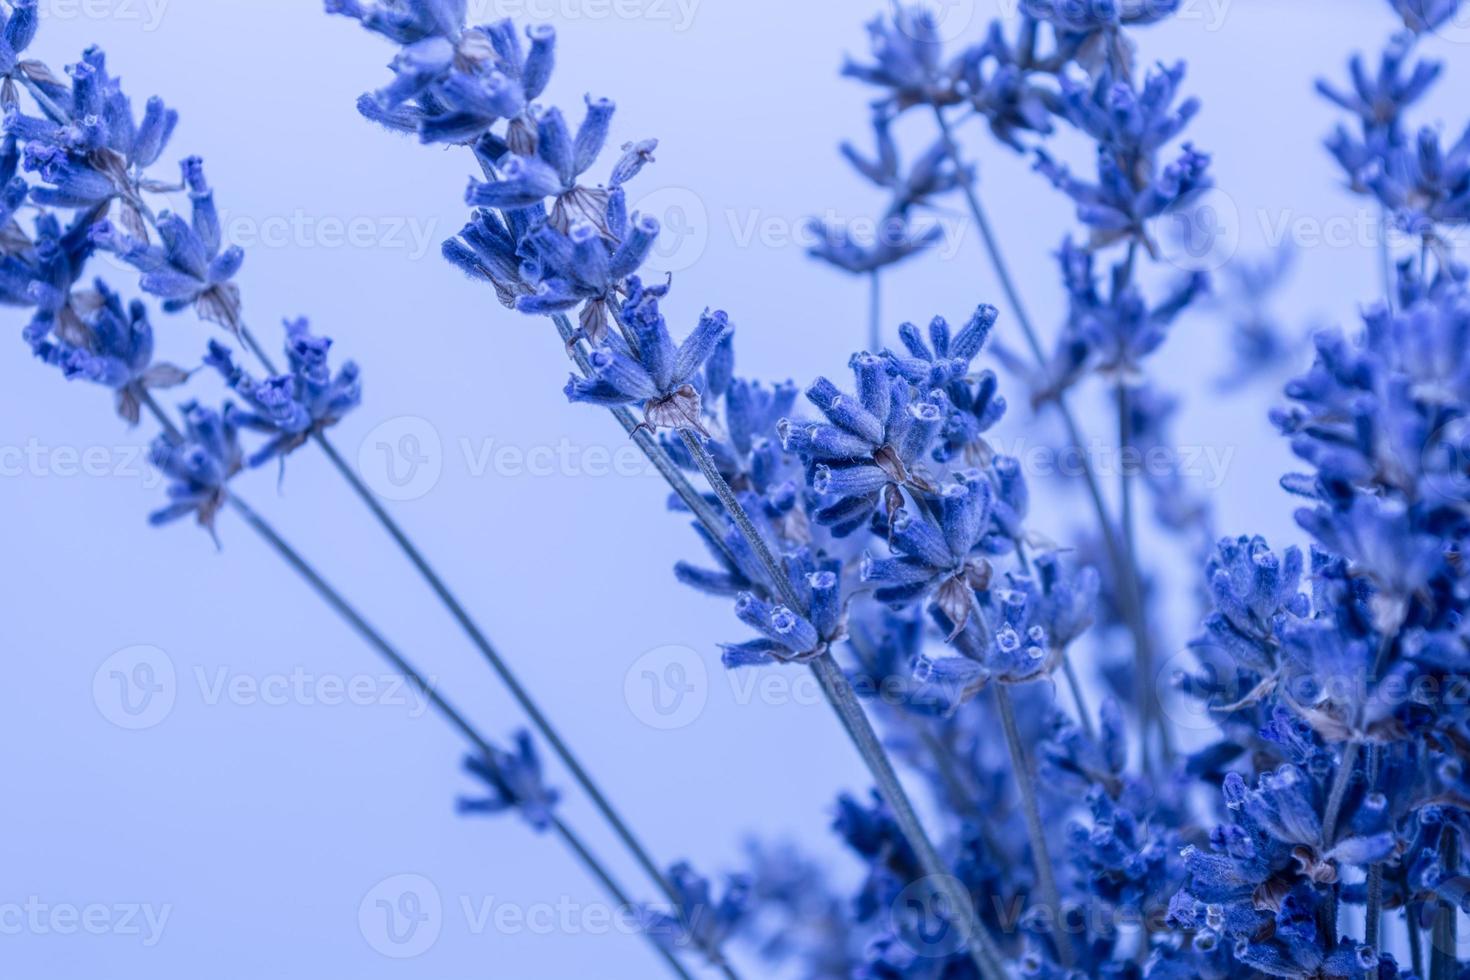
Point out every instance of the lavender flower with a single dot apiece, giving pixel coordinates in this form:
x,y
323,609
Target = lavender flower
x,y
998,84
98,153
698,920
651,369
931,175
789,636
116,351
944,560
17,31
199,462
291,407
908,61
1111,333
1380,101
515,782
585,268
1426,186
1130,127
1258,340
944,361
192,268
1422,16
868,446
896,240
560,159
44,274
452,84
1092,29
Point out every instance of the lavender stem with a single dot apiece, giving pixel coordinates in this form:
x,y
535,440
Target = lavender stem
x,y
1124,571
844,701
451,714
1035,831
471,629
875,311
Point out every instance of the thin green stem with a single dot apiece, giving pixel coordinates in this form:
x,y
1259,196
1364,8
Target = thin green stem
x,y
1330,815
992,243
854,720
1338,792
875,311
1125,572
1144,676
416,678
1444,963
1373,916
477,637
1078,699
440,704
698,505
580,850
47,104
1385,256
1413,934
1035,830
1373,913
962,797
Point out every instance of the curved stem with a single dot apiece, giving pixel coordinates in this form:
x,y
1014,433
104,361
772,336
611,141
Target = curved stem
x,y
854,720
1035,831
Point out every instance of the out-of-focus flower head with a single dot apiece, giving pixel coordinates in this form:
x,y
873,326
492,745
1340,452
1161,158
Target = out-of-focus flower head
x,y
291,407
199,462
515,782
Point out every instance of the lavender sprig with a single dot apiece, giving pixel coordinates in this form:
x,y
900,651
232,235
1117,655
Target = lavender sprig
x,y
96,167
510,158
210,440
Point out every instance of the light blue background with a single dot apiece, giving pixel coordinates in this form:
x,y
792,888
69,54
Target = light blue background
x,y
261,828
